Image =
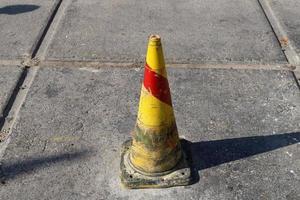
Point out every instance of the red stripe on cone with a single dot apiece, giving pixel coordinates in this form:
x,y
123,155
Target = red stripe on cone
x,y
157,85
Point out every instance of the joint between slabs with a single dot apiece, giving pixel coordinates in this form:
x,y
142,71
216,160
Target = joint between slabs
x,y
14,105
36,46
280,34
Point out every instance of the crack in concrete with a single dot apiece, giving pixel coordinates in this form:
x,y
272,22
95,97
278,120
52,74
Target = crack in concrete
x,y
214,65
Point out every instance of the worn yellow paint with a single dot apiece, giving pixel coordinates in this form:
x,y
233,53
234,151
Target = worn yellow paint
x,y
163,154
157,118
153,112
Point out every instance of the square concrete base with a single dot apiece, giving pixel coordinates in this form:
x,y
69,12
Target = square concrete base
x,y
179,176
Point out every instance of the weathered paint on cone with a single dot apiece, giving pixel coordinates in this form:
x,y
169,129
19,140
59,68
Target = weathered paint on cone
x,y
155,146
155,149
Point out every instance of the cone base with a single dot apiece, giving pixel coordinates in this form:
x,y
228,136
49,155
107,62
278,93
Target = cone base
x,y
181,175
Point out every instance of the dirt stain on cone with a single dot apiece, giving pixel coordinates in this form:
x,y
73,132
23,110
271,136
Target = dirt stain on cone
x,y
155,148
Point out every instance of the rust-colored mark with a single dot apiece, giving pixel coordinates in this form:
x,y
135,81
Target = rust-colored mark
x,y
3,135
284,41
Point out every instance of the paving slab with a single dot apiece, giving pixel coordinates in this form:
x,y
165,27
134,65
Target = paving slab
x,y
192,31
287,12
9,76
244,125
21,23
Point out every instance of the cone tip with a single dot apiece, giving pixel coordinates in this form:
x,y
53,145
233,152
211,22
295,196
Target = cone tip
x,y
154,40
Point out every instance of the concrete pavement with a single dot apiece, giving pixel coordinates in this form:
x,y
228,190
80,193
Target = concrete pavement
x,y
233,82
218,31
22,23
242,123
288,14
8,81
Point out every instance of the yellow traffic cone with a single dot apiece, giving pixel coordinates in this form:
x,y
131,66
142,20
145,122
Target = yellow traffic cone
x,y
154,157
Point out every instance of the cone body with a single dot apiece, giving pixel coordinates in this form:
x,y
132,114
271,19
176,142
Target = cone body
x,y
155,147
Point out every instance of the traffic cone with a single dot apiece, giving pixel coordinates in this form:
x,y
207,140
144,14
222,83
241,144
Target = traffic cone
x,y
155,157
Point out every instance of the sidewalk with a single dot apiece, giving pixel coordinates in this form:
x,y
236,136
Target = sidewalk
x,y
70,85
